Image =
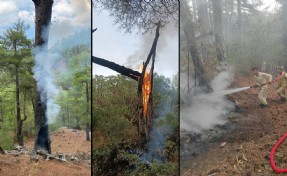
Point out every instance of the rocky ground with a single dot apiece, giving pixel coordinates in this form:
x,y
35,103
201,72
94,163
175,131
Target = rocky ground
x,y
243,145
71,156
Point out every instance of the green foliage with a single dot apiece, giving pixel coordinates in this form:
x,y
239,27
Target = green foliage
x,y
114,157
15,58
159,169
73,74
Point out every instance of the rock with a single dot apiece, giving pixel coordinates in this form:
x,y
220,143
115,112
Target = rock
x,y
20,148
223,144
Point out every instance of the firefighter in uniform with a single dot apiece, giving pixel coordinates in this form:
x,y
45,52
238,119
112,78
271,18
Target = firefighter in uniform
x,y
282,84
262,81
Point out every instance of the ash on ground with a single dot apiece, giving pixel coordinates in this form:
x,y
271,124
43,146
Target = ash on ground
x,y
193,144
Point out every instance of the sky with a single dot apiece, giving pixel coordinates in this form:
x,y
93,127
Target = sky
x,y
268,5
131,49
68,16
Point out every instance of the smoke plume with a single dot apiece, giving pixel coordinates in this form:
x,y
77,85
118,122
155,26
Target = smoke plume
x,y
201,112
43,74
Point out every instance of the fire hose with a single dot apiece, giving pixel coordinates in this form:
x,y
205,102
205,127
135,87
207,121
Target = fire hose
x,y
272,162
272,153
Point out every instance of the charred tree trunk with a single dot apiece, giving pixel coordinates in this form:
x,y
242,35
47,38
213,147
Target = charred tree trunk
x,y
218,32
189,31
43,12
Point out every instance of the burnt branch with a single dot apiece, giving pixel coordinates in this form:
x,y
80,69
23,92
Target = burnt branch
x,y
135,75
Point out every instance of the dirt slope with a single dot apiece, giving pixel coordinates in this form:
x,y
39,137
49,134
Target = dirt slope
x,y
248,146
66,141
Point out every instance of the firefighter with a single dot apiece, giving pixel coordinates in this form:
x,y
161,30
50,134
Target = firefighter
x,y
262,81
282,84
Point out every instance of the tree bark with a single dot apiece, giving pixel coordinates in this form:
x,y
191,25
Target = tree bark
x,y
88,128
285,31
218,32
43,12
194,10
18,109
1,112
88,132
239,20
189,30
118,68
205,28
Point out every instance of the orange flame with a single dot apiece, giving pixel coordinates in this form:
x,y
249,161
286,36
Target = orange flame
x,y
146,88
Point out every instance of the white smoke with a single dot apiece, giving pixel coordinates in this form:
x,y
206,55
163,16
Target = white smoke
x,y
166,51
202,112
43,74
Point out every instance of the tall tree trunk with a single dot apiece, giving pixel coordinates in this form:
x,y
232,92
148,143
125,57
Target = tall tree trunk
x,y
218,32
1,111
88,132
210,11
43,11
239,20
194,10
205,28
285,31
227,26
18,109
68,113
189,31
88,128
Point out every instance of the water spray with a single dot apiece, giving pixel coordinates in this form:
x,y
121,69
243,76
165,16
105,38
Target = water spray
x,y
230,91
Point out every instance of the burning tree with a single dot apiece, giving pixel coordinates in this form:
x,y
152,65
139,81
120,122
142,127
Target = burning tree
x,y
43,11
145,84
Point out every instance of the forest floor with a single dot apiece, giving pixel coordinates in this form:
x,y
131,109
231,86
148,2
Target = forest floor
x,y
66,141
244,147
